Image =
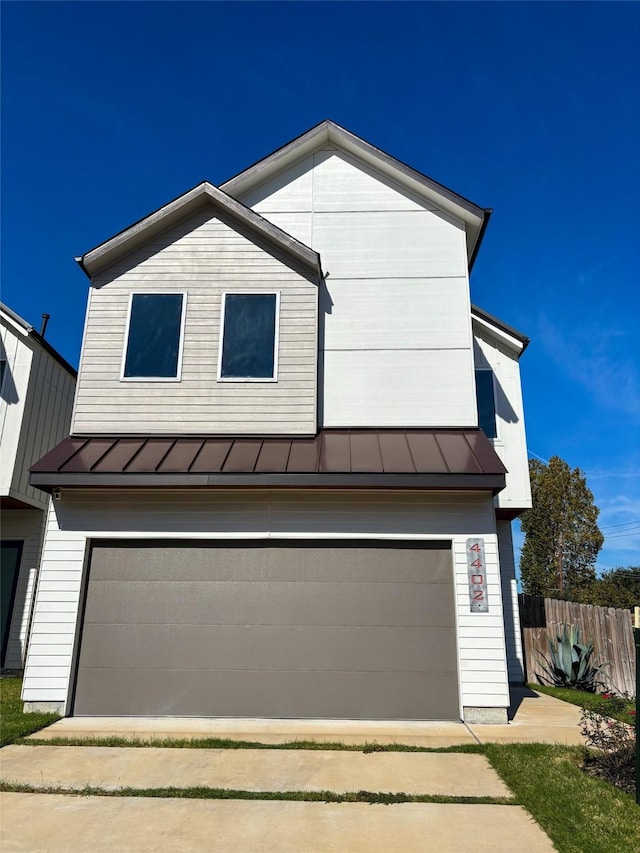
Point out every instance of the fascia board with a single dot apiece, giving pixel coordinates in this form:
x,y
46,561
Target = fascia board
x,y
499,334
329,133
179,209
15,320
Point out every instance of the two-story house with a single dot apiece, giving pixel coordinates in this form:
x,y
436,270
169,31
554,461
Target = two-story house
x,y
36,398
277,498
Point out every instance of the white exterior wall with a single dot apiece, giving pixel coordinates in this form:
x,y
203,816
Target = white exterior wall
x,y
510,443
12,400
79,517
202,257
513,635
27,526
395,330
35,412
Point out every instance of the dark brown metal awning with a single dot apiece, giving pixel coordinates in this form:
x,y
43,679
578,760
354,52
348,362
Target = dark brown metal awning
x,y
355,458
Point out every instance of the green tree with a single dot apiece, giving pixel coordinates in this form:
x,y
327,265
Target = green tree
x,y
562,538
615,588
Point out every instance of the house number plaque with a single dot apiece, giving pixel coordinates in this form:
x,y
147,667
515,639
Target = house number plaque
x,y
478,601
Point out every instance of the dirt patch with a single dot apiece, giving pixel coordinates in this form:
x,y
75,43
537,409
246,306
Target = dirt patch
x,y
621,773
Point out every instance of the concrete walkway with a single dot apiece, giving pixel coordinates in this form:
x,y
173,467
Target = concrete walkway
x,y
59,824
251,770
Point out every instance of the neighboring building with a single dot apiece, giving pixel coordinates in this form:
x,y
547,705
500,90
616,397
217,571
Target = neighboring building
x,y
36,398
275,500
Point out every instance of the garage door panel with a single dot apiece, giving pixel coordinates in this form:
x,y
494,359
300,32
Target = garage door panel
x,y
212,647
336,695
259,603
342,629
263,562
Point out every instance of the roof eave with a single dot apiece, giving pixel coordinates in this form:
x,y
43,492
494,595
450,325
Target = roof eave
x,y
514,339
474,217
493,483
176,211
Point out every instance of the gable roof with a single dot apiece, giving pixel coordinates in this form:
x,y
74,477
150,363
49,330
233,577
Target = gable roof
x,y
326,133
28,331
176,211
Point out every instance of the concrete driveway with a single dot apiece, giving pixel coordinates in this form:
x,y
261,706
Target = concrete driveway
x,y
72,823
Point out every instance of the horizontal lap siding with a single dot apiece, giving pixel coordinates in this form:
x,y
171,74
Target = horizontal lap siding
x,y
296,515
204,258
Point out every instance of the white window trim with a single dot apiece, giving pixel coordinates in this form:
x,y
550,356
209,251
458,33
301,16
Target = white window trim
x,y
276,336
178,376
496,439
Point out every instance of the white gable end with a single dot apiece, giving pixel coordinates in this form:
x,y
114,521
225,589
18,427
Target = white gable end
x,y
395,332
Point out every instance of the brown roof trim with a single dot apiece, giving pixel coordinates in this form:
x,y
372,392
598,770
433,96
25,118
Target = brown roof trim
x,y
334,458
450,482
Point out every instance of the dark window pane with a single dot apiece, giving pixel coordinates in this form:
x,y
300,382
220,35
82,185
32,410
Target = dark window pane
x,y
249,335
486,403
154,335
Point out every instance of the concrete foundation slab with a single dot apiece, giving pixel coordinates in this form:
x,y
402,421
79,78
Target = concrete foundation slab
x,y
62,824
251,770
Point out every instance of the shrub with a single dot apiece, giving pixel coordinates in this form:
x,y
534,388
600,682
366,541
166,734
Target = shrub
x,y
570,662
614,740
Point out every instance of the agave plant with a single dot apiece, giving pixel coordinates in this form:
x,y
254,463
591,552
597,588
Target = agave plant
x,y
569,664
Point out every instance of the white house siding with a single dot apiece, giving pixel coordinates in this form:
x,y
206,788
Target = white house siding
x,y
202,257
395,334
513,636
81,516
12,400
26,526
510,443
35,412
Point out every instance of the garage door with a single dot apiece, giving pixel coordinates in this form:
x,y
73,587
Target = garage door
x,y
352,630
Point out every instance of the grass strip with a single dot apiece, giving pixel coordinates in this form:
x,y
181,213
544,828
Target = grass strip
x,y
577,812
228,743
202,793
14,723
587,700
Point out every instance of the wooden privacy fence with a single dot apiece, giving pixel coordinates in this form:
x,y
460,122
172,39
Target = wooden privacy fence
x,y
610,629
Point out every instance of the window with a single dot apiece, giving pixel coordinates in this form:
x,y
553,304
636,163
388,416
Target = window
x,y
249,336
154,340
486,400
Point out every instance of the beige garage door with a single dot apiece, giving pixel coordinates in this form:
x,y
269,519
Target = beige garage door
x,y
353,630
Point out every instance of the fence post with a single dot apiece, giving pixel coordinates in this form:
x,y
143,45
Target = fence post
x,y
636,637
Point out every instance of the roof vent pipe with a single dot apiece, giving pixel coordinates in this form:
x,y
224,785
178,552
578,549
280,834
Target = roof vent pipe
x,y
43,328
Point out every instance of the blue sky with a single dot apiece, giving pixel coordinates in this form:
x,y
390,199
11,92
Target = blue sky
x,y
112,109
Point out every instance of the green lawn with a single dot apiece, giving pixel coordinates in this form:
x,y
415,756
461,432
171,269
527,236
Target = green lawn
x,y
587,700
580,814
14,724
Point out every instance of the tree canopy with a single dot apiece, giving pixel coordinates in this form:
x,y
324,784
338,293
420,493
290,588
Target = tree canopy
x,y
615,588
562,538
